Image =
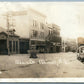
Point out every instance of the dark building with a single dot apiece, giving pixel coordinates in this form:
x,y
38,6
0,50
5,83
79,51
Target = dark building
x,y
54,38
9,43
24,45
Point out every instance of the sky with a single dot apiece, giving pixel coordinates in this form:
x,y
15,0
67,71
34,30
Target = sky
x,y
68,15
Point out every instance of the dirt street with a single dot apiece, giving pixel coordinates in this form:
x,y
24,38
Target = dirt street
x,y
45,66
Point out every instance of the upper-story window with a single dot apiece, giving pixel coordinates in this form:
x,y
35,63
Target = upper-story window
x,y
50,31
41,25
41,34
35,33
35,23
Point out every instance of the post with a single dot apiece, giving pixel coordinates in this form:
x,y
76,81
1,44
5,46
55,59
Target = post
x,y
12,46
18,47
29,44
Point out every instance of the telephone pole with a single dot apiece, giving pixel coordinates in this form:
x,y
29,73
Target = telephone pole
x,y
8,17
8,33
8,26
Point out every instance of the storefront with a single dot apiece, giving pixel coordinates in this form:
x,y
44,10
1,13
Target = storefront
x,y
14,44
9,44
24,45
40,45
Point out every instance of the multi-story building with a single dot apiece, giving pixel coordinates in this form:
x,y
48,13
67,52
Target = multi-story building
x,y
54,38
37,30
33,32
30,26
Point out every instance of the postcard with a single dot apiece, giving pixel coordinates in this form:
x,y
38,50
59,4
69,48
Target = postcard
x,y
41,41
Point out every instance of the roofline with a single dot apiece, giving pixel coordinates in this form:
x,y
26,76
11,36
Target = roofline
x,y
31,9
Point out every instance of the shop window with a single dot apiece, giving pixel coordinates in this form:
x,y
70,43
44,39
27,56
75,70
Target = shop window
x,y
10,46
32,42
13,46
17,46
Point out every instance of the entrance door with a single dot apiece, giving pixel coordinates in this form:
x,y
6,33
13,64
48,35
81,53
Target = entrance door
x,y
13,46
57,48
3,47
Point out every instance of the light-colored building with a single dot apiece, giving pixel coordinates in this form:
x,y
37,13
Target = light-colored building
x,y
31,27
28,21
29,24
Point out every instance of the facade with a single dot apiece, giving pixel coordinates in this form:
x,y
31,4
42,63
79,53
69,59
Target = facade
x,y
37,30
54,38
80,41
24,45
8,45
69,45
33,32
30,24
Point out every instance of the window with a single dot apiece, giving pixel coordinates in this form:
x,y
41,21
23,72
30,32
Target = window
x,y
10,46
35,33
32,42
42,34
35,23
17,46
14,46
50,31
41,25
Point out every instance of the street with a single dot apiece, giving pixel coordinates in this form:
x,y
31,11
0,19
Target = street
x,y
45,66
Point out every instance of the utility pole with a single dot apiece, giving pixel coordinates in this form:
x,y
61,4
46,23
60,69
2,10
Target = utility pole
x,y
63,45
8,33
8,25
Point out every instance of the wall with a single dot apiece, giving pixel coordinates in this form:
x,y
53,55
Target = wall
x,y
38,24
21,23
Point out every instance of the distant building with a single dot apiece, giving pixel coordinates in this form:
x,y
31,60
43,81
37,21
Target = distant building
x,y
80,41
69,45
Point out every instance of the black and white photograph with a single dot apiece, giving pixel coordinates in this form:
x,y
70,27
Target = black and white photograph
x,y
41,39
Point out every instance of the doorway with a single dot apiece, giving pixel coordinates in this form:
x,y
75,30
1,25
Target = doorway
x,y
3,47
57,49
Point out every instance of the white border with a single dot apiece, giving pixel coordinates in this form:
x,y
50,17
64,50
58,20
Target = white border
x,y
42,80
